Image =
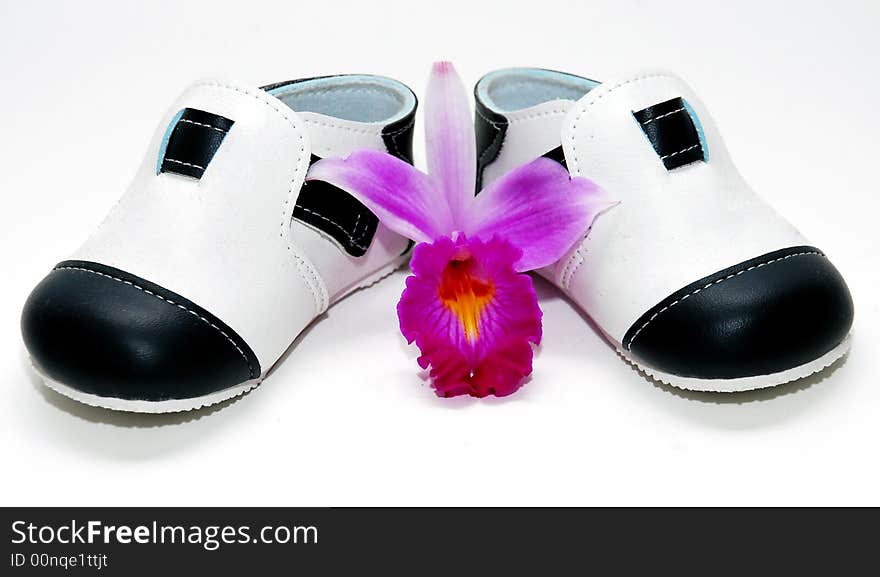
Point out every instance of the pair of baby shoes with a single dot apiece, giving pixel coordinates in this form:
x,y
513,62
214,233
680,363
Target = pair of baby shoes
x,y
219,254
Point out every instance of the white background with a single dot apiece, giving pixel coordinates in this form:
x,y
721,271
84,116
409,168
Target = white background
x,y
346,420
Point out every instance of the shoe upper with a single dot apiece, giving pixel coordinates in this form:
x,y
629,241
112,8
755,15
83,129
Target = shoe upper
x,y
218,255
692,273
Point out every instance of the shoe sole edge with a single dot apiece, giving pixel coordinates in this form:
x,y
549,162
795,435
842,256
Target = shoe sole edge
x,y
742,384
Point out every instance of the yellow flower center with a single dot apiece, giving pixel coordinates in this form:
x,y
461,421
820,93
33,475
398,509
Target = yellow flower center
x,y
465,295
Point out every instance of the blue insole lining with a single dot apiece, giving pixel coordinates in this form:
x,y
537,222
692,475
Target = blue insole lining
x,y
360,98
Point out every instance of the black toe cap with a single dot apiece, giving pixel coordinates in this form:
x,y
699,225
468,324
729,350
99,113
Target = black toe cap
x,y
109,333
763,316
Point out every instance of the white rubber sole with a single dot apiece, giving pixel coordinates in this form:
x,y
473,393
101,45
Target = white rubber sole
x,y
195,403
155,407
743,383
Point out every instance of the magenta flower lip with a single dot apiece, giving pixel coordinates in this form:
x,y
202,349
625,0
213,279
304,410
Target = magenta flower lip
x,y
473,317
472,314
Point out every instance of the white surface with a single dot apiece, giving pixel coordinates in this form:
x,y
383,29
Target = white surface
x,y
345,419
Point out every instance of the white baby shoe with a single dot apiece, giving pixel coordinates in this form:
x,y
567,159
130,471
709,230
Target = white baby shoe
x,y
218,255
692,276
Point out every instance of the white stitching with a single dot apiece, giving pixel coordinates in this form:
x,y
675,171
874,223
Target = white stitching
x,y
498,135
362,237
305,268
719,281
393,136
299,90
650,120
576,258
354,233
399,130
171,302
490,147
683,150
365,229
334,223
492,122
188,121
184,163
357,222
514,119
577,253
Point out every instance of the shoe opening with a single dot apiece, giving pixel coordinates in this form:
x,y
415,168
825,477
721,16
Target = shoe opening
x,y
356,97
512,89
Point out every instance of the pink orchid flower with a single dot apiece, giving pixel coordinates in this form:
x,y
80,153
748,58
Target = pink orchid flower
x,y
467,306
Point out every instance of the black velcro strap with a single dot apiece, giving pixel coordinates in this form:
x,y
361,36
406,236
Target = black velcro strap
x,y
336,213
671,131
193,141
339,215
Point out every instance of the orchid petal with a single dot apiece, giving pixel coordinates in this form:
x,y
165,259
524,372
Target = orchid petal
x,y
473,318
449,138
539,209
404,199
